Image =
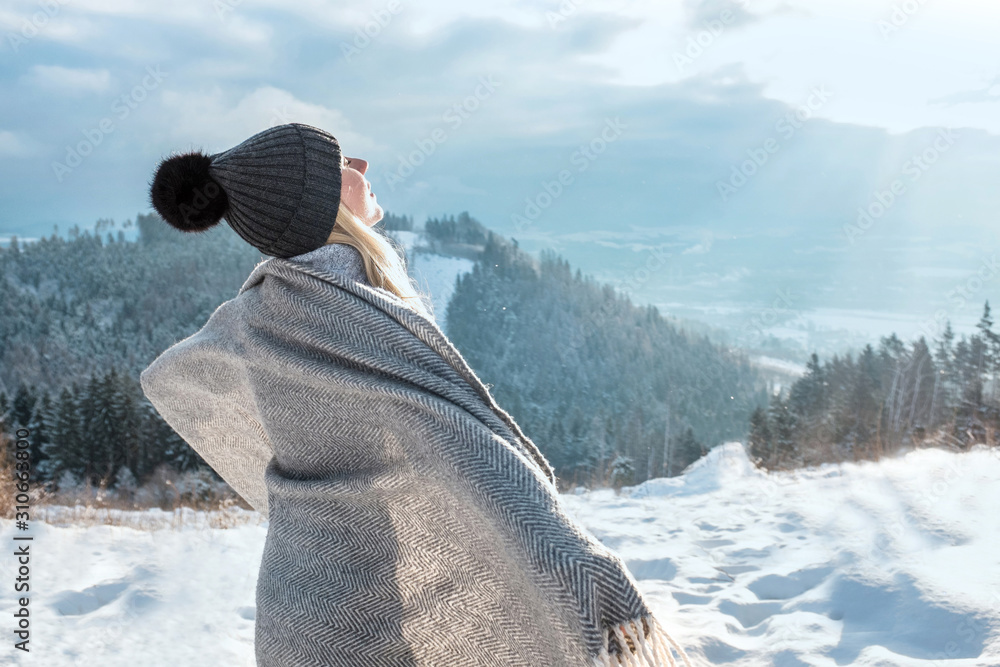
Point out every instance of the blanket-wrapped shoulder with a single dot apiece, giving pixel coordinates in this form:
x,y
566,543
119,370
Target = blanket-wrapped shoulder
x,y
411,522
200,388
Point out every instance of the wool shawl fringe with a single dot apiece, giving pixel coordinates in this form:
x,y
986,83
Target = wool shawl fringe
x,y
646,648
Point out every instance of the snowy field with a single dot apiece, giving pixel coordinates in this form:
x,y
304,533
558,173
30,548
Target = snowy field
x,y
896,563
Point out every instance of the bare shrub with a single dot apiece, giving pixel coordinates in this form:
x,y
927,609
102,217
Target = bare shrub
x,y
7,490
194,498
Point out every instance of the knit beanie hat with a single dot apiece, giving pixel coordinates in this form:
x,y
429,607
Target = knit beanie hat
x,y
279,189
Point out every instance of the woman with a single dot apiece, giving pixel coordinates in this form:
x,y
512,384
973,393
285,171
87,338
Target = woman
x,y
410,520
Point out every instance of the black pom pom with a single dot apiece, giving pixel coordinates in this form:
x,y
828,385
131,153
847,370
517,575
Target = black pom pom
x,y
184,193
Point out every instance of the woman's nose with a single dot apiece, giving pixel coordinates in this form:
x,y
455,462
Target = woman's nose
x,y
357,163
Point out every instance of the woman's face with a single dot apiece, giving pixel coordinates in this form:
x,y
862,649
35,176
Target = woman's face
x,y
356,192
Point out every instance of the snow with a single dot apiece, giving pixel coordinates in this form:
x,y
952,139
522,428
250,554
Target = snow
x,y
112,595
434,274
888,563
780,366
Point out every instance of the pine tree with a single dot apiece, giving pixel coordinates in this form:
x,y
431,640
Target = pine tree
x,y
865,404
688,449
622,471
23,406
970,359
120,425
990,351
782,420
125,483
945,380
920,387
126,407
66,448
760,440
808,401
6,430
39,429
99,430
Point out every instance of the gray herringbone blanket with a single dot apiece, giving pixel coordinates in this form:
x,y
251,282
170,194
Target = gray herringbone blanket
x,y
410,521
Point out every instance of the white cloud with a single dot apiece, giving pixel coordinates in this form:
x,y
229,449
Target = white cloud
x,y
888,78
68,80
701,248
442,186
102,26
210,121
53,20
424,19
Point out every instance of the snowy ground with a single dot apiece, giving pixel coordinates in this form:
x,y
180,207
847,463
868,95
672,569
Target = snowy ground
x,y
895,563
434,274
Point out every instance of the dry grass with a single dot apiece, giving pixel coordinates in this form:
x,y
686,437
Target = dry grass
x,y
7,490
181,518
164,502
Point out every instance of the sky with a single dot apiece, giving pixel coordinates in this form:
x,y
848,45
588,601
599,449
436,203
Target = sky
x,y
605,130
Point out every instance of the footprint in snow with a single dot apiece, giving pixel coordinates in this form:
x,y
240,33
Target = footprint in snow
x,y
78,603
92,598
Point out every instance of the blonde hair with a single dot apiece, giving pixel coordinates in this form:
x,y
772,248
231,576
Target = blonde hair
x,y
385,265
